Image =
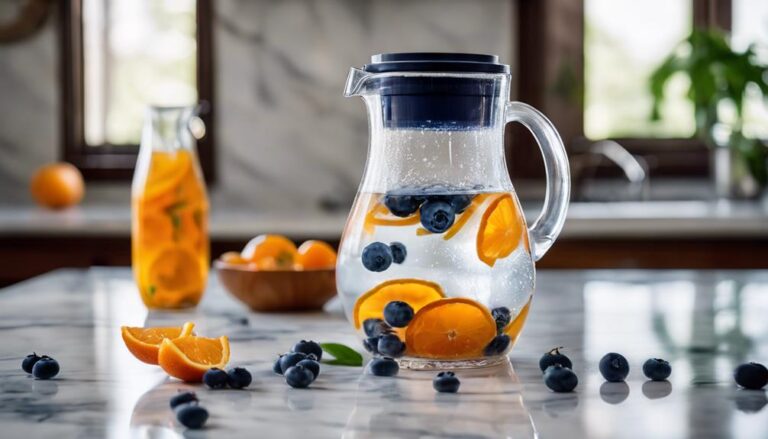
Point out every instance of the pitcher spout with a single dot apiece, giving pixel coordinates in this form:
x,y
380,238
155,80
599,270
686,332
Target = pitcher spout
x,y
355,82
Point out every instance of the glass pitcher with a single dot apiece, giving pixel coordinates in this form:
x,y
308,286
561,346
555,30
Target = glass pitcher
x,y
436,263
169,212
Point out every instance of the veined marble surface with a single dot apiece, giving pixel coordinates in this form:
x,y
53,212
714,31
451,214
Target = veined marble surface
x,y
704,322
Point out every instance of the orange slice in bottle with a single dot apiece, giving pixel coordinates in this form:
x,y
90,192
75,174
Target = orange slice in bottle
x,y
501,229
415,292
315,255
456,328
270,252
188,358
144,343
175,275
166,171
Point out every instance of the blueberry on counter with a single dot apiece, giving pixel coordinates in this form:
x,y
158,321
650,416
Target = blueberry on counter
x,y
503,316
497,346
183,398
276,367
377,256
29,361
375,327
390,345
657,369
45,368
560,379
398,252
614,367
446,382
309,347
398,314
192,416
311,365
239,378
299,377
402,205
554,357
384,367
437,216
752,376
215,378
291,359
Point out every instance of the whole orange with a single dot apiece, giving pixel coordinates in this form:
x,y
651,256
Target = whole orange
x,y
57,185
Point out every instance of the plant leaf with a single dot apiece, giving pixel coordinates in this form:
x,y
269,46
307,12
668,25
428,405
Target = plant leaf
x,y
343,355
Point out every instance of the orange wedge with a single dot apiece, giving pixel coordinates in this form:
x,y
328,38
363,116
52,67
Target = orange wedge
x,y
188,358
270,252
316,254
144,343
414,292
455,328
501,229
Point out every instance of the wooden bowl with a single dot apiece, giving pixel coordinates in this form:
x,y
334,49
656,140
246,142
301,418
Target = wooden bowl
x,y
278,290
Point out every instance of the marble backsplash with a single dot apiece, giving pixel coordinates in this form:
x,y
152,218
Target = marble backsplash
x,y
286,138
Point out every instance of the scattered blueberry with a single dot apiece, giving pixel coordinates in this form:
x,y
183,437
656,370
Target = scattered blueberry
x,y
291,359
390,345
402,205
497,346
503,316
560,378
657,369
238,378
276,368
398,314
45,368
377,256
614,367
384,367
192,416
182,398
446,382
29,361
309,347
460,202
215,378
437,216
751,376
554,357
299,377
311,365
375,327
371,344
398,252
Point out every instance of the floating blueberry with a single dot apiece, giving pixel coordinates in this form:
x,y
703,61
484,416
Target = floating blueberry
x,y
291,359
239,378
446,382
497,346
309,347
398,252
377,256
215,378
460,202
182,398
503,316
402,205
375,327
299,377
311,365
45,368
398,314
29,361
437,216
371,344
384,367
752,376
614,367
554,357
657,369
560,378
390,345
192,416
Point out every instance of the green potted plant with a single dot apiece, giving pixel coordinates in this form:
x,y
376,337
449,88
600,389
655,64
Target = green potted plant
x,y
717,73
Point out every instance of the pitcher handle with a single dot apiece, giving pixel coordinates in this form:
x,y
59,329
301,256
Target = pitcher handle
x,y
547,226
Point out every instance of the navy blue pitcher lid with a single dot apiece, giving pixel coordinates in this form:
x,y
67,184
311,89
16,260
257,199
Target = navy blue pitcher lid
x,y
435,62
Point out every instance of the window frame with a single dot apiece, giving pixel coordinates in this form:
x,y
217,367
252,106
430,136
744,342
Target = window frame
x,y
116,162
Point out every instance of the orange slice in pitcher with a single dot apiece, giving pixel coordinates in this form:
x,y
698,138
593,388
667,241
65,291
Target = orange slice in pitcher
x,y
455,328
379,216
415,292
188,358
144,343
270,252
514,327
501,229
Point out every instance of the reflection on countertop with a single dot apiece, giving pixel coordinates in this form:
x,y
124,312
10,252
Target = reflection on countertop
x,y
703,322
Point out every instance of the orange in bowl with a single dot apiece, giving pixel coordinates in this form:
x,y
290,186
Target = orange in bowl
x,y
144,343
57,185
270,252
188,358
315,255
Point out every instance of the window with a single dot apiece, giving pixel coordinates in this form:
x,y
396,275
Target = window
x,y
120,56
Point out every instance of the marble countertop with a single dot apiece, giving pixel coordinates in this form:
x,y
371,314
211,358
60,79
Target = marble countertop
x,y
704,322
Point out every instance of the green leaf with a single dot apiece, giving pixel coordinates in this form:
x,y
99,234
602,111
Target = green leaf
x,y
343,355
